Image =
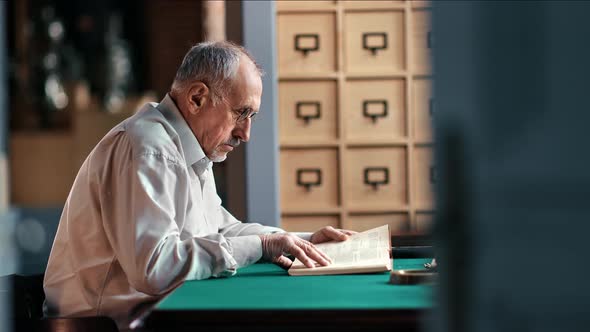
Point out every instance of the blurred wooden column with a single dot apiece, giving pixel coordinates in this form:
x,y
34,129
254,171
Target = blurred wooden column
x,y
172,27
214,20
4,181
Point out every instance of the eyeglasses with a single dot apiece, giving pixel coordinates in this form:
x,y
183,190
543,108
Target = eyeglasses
x,y
242,115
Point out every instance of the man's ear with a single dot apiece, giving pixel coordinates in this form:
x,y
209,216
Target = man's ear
x,y
198,96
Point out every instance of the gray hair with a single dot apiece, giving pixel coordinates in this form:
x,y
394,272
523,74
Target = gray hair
x,y
213,63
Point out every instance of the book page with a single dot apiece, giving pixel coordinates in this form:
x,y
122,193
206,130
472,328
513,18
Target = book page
x,y
366,247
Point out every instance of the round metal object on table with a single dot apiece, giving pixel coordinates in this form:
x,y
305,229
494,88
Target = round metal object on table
x,y
412,277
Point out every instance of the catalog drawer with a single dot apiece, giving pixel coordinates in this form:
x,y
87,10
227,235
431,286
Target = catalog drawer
x,y
309,179
307,111
424,108
304,4
424,177
308,223
376,178
374,41
422,42
371,4
306,43
398,222
375,109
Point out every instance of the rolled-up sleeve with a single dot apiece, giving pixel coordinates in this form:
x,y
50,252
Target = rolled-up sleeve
x,y
230,226
233,227
244,237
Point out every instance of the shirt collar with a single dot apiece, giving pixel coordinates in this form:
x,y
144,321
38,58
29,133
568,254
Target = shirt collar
x,y
193,153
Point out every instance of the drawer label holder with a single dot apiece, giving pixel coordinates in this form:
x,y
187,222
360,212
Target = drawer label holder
x,y
371,179
374,41
307,42
309,177
302,106
374,116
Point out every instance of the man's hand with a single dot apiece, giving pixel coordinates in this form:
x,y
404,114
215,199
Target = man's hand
x,y
274,245
329,233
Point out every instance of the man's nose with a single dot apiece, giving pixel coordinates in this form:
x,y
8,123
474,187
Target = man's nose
x,y
242,130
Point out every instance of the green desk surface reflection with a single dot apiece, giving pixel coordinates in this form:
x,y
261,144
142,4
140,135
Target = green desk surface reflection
x,y
268,287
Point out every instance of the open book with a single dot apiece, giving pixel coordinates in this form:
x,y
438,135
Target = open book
x,y
362,253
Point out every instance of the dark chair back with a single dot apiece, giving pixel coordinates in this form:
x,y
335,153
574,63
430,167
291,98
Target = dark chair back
x,y
27,298
75,324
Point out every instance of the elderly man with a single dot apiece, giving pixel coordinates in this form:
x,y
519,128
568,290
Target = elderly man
x,y
143,214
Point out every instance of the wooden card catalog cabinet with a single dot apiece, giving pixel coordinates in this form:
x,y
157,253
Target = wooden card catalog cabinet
x,y
355,114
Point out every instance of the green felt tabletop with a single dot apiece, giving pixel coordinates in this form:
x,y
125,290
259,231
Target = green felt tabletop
x,y
266,286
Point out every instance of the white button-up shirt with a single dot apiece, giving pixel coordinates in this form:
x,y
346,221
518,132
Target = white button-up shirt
x,y
143,215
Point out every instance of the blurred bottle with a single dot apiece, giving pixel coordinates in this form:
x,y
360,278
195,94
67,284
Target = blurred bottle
x,y
119,70
55,64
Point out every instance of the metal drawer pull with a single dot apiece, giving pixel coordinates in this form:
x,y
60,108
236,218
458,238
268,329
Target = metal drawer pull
x,y
307,42
433,174
376,181
374,41
301,106
374,116
429,41
431,106
306,181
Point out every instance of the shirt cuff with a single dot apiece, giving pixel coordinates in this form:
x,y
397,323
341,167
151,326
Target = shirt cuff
x,y
246,250
304,235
